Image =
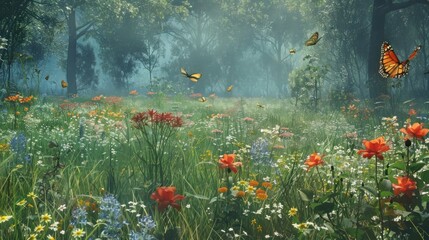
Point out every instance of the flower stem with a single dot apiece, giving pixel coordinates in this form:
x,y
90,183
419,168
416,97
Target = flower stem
x,y
379,198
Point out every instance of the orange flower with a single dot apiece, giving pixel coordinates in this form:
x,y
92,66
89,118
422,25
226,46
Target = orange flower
x,y
259,190
267,185
240,194
97,98
253,183
165,196
227,161
374,147
415,131
313,160
405,185
151,93
133,92
222,189
262,196
412,112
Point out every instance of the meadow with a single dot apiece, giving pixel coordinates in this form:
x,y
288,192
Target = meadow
x,y
174,167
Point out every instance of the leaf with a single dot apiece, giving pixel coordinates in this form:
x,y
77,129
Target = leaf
x,y
213,200
196,196
322,208
416,167
306,195
425,176
399,165
386,194
370,190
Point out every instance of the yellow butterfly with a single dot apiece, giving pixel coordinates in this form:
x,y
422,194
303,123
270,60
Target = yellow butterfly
x,y
193,77
313,39
229,88
292,51
64,84
202,99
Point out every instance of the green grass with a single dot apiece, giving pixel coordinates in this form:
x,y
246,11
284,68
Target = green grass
x,y
79,151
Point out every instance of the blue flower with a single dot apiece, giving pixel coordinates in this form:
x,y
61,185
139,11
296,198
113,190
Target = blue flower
x,y
110,214
79,216
260,153
18,144
147,223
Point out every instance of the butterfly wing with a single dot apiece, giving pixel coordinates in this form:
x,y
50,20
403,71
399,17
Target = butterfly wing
x,y
313,39
183,72
64,84
390,65
202,99
194,77
229,89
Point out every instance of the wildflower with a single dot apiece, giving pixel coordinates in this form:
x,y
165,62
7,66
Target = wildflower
x,y
21,203
285,135
301,226
412,112
292,212
62,207
32,195
50,237
4,218
253,222
267,185
4,147
240,194
165,196
405,185
110,214
250,189
222,189
259,228
151,93
314,160
262,195
415,131
39,228
217,131
32,237
259,152
133,92
248,119
278,147
18,143
97,98
227,161
374,147
79,217
46,218
78,233
253,183
243,183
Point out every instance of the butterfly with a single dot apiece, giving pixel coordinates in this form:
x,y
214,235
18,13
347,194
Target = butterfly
x,y
47,77
64,84
313,39
260,105
202,99
390,66
229,88
193,77
292,51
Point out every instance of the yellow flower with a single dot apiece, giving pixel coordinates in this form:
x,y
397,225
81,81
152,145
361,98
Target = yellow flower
x,y
32,195
250,189
4,147
39,228
259,228
253,222
32,237
242,182
5,218
235,188
50,237
78,233
22,202
46,218
292,212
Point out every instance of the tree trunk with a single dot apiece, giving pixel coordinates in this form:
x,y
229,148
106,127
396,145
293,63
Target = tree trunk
x,y
71,54
377,85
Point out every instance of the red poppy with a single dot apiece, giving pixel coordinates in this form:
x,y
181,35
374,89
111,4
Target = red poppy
x,y
228,161
374,147
415,131
165,196
405,185
314,160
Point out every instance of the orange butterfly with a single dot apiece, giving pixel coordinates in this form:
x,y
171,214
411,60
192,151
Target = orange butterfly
x,y
313,39
390,66
193,77
64,84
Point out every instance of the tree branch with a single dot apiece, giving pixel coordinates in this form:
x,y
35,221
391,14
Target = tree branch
x,y
84,31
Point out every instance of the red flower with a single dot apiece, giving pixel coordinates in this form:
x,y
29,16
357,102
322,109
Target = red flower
x,y
313,160
415,131
165,196
227,161
374,147
405,185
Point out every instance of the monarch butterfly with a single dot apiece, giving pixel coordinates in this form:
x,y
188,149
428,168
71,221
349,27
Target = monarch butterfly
x,y
47,77
202,99
228,89
390,66
64,84
193,77
313,39
292,51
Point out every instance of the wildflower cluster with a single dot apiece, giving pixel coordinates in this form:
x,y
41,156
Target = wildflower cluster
x,y
152,117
